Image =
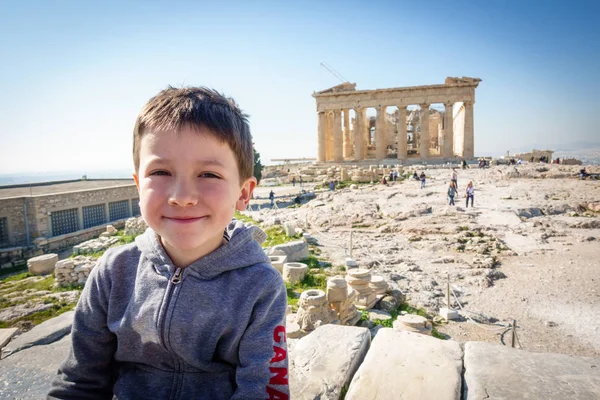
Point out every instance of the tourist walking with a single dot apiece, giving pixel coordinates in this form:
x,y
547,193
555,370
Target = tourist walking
x,y
331,185
272,198
452,192
391,176
422,178
470,194
294,181
300,180
395,176
454,178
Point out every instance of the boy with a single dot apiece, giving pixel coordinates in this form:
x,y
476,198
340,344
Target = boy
x,y
192,309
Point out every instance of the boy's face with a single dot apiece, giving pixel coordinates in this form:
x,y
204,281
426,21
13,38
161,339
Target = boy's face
x,y
189,189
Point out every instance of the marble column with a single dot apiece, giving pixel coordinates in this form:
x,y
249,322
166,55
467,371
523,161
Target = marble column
x,y
380,134
347,138
424,136
329,156
401,133
358,135
321,152
366,132
469,142
448,150
338,140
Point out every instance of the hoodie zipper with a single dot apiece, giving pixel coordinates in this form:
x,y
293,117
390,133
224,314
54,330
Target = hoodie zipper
x,y
175,280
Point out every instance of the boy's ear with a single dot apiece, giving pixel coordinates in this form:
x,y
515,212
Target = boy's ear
x,y
245,194
137,180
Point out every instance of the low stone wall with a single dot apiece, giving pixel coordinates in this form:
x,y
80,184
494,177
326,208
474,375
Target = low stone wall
x,y
74,270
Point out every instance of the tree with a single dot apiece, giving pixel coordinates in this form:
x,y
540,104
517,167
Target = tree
x,y
257,165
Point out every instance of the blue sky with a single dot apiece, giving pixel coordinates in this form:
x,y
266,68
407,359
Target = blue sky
x,y
74,76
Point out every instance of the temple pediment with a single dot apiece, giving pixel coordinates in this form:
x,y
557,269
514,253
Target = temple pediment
x,y
342,87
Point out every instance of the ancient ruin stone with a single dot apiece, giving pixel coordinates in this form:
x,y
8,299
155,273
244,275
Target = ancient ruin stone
x,y
294,272
337,289
538,375
323,363
42,265
313,310
359,280
277,262
403,365
295,251
413,323
135,226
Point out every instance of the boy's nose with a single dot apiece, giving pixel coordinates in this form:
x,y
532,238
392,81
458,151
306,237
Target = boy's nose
x,y
183,195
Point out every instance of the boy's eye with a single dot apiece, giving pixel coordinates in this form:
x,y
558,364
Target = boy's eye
x,y
208,175
159,172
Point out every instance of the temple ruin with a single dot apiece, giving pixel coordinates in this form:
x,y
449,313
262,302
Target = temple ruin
x,y
405,134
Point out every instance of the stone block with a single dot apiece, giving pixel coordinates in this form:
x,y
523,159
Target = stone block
x,y
413,323
448,314
295,251
277,262
42,265
28,374
6,334
290,229
47,332
294,272
351,263
501,372
322,363
404,365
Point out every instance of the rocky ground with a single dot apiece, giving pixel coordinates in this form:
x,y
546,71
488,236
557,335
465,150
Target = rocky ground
x,y
529,250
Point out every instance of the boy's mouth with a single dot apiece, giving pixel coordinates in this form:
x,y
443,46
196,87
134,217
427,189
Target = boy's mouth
x,y
184,220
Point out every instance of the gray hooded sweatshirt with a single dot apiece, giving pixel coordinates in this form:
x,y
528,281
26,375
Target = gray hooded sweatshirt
x,y
144,329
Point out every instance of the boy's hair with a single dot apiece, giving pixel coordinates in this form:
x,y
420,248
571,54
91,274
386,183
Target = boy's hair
x,y
198,108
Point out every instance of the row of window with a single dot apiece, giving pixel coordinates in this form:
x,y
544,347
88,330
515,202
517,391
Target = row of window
x,y
4,232
67,221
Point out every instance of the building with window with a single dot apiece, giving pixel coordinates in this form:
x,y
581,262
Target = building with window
x,y
59,214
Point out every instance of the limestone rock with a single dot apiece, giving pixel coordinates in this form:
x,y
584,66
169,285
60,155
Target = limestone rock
x,y
538,375
404,365
295,251
378,315
47,332
529,212
6,334
42,265
135,226
22,310
313,310
277,262
413,323
322,363
294,272
388,303
28,374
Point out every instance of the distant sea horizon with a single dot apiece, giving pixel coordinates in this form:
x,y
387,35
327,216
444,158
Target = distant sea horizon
x,y
588,153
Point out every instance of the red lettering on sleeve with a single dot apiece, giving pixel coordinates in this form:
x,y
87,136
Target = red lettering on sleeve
x,y
279,334
280,354
280,377
275,394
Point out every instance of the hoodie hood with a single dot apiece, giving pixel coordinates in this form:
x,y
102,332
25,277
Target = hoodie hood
x,y
241,249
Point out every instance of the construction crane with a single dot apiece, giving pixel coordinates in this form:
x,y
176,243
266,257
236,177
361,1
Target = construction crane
x,y
334,72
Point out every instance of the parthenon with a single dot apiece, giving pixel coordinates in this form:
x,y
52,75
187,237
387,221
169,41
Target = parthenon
x,y
407,133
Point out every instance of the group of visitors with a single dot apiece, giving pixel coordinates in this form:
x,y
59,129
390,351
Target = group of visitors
x,y
294,181
421,178
393,177
453,190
